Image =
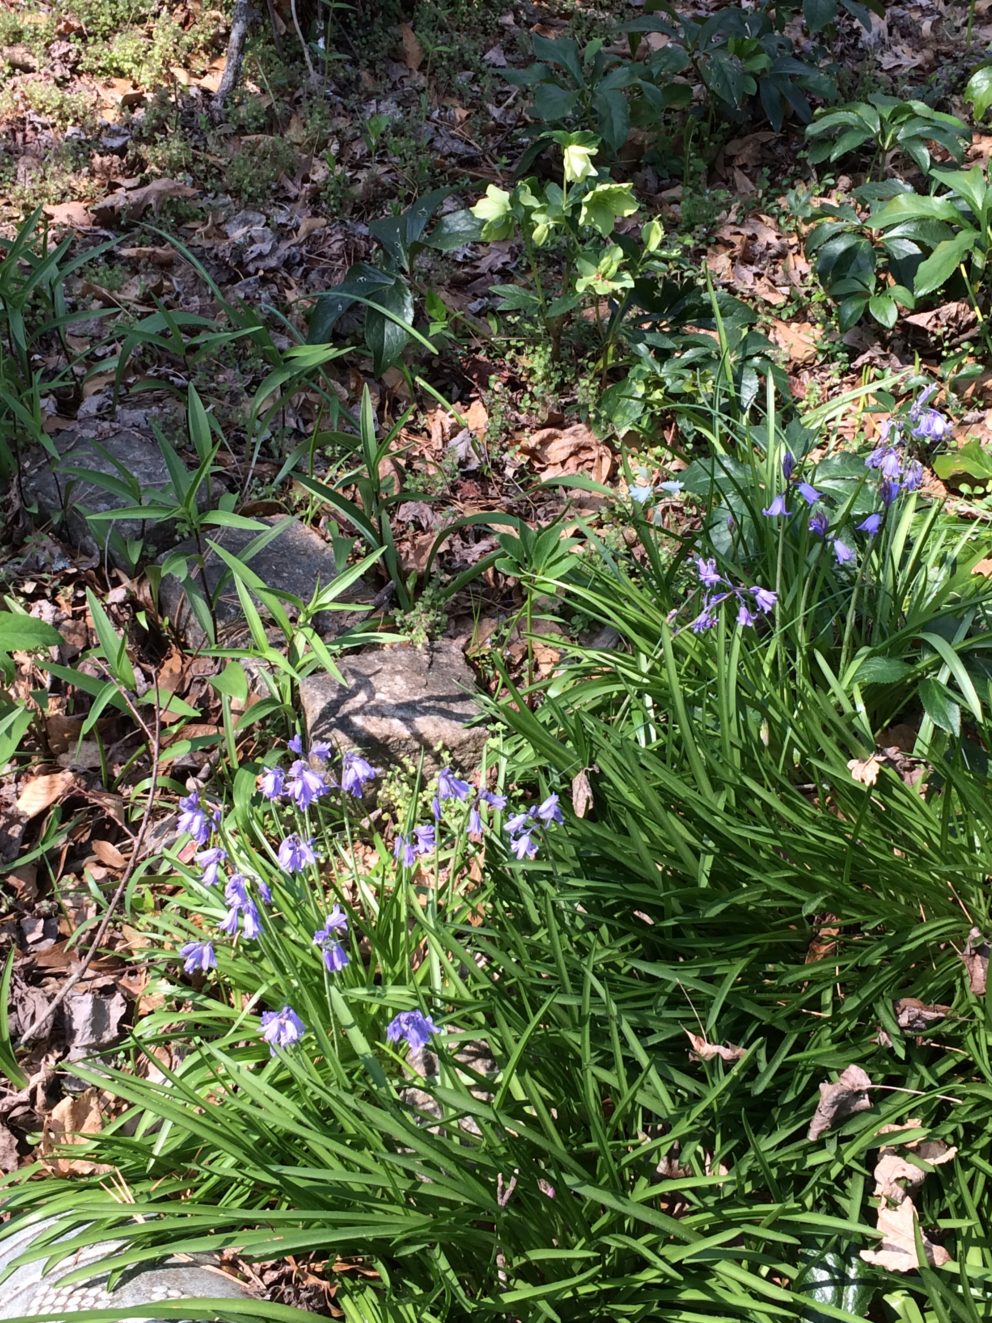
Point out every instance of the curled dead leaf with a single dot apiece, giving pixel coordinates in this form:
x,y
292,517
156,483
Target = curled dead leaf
x,y
575,449
134,202
865,770
916,1016
705,1051
976,961
70,1122
582,798
41,792
897,1251
839,1101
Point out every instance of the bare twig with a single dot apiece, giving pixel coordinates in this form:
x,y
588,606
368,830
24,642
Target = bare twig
x,y
303,42
240,23
153,735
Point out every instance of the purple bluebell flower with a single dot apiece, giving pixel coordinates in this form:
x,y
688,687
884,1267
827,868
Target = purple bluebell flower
x,y
295,854
745,618
295,745
334,955
819,524
491,798
425,839
199,957
548,811
524,846
321,750
413,1027
272,782
304,785
707,572
912,476
871,525
932,426
891,466
788,465
436,808
356,773
251,921
210,861
264,891
776,508
704,621
236,890
640,493
922,400
193,819
282,1028
474,825
229,924
809,493
241,905
888,490
404,851
843,552
450,786
519,822
764,599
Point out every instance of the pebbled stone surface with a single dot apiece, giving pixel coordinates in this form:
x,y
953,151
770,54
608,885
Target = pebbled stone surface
x,y
399,702
296,561
28,1289
62,497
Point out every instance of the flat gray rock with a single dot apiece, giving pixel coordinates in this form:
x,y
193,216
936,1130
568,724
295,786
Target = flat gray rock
x,y
29,1289
399,702
65,498
296,560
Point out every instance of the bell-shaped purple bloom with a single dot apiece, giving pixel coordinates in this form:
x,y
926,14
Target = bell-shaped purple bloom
x,y
295,854
707,571
871,525
704,621
210,861
404,851
272,782
282,1028
304,785
335,957
764,599
549,811
425,839
251,921
474,825
295,745
492,799
777,507
912,476
336,922
809,493
264,891
519,822
888,490
413,1027
321,750
450,786
640,493
819,524
199,957
891,466
843,552
788,465
745,618
356,773
194,820
922,400
436,808
524,846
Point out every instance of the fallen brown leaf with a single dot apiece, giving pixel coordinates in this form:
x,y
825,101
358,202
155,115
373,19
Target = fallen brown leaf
x,y
134,202
865,770
413,52
916,1016
839,1101
582,798
897,1251
69,1122
41,792
75,214
705,1051
976,961
797,339
574,449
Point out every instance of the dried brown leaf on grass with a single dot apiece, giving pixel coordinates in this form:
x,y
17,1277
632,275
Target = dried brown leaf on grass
x,y
41,792
917,1016
976,961
839,1101
706,1051
413,52
865,770
136,201
897,1250
70,1122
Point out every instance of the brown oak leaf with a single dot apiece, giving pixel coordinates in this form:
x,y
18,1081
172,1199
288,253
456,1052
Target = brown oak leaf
x,y
839,1101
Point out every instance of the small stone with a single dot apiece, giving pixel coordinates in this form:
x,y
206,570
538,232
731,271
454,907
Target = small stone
x,y
296,560
399,702
65,498
29,1289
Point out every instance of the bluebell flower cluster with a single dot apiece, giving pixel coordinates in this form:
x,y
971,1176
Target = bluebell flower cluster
x,y
751,602
525,829
282,1028
412,1027
310,778
819,522
329,937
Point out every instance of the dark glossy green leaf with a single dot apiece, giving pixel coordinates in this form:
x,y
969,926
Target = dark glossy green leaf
x,y
943,262
940,706
385,337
